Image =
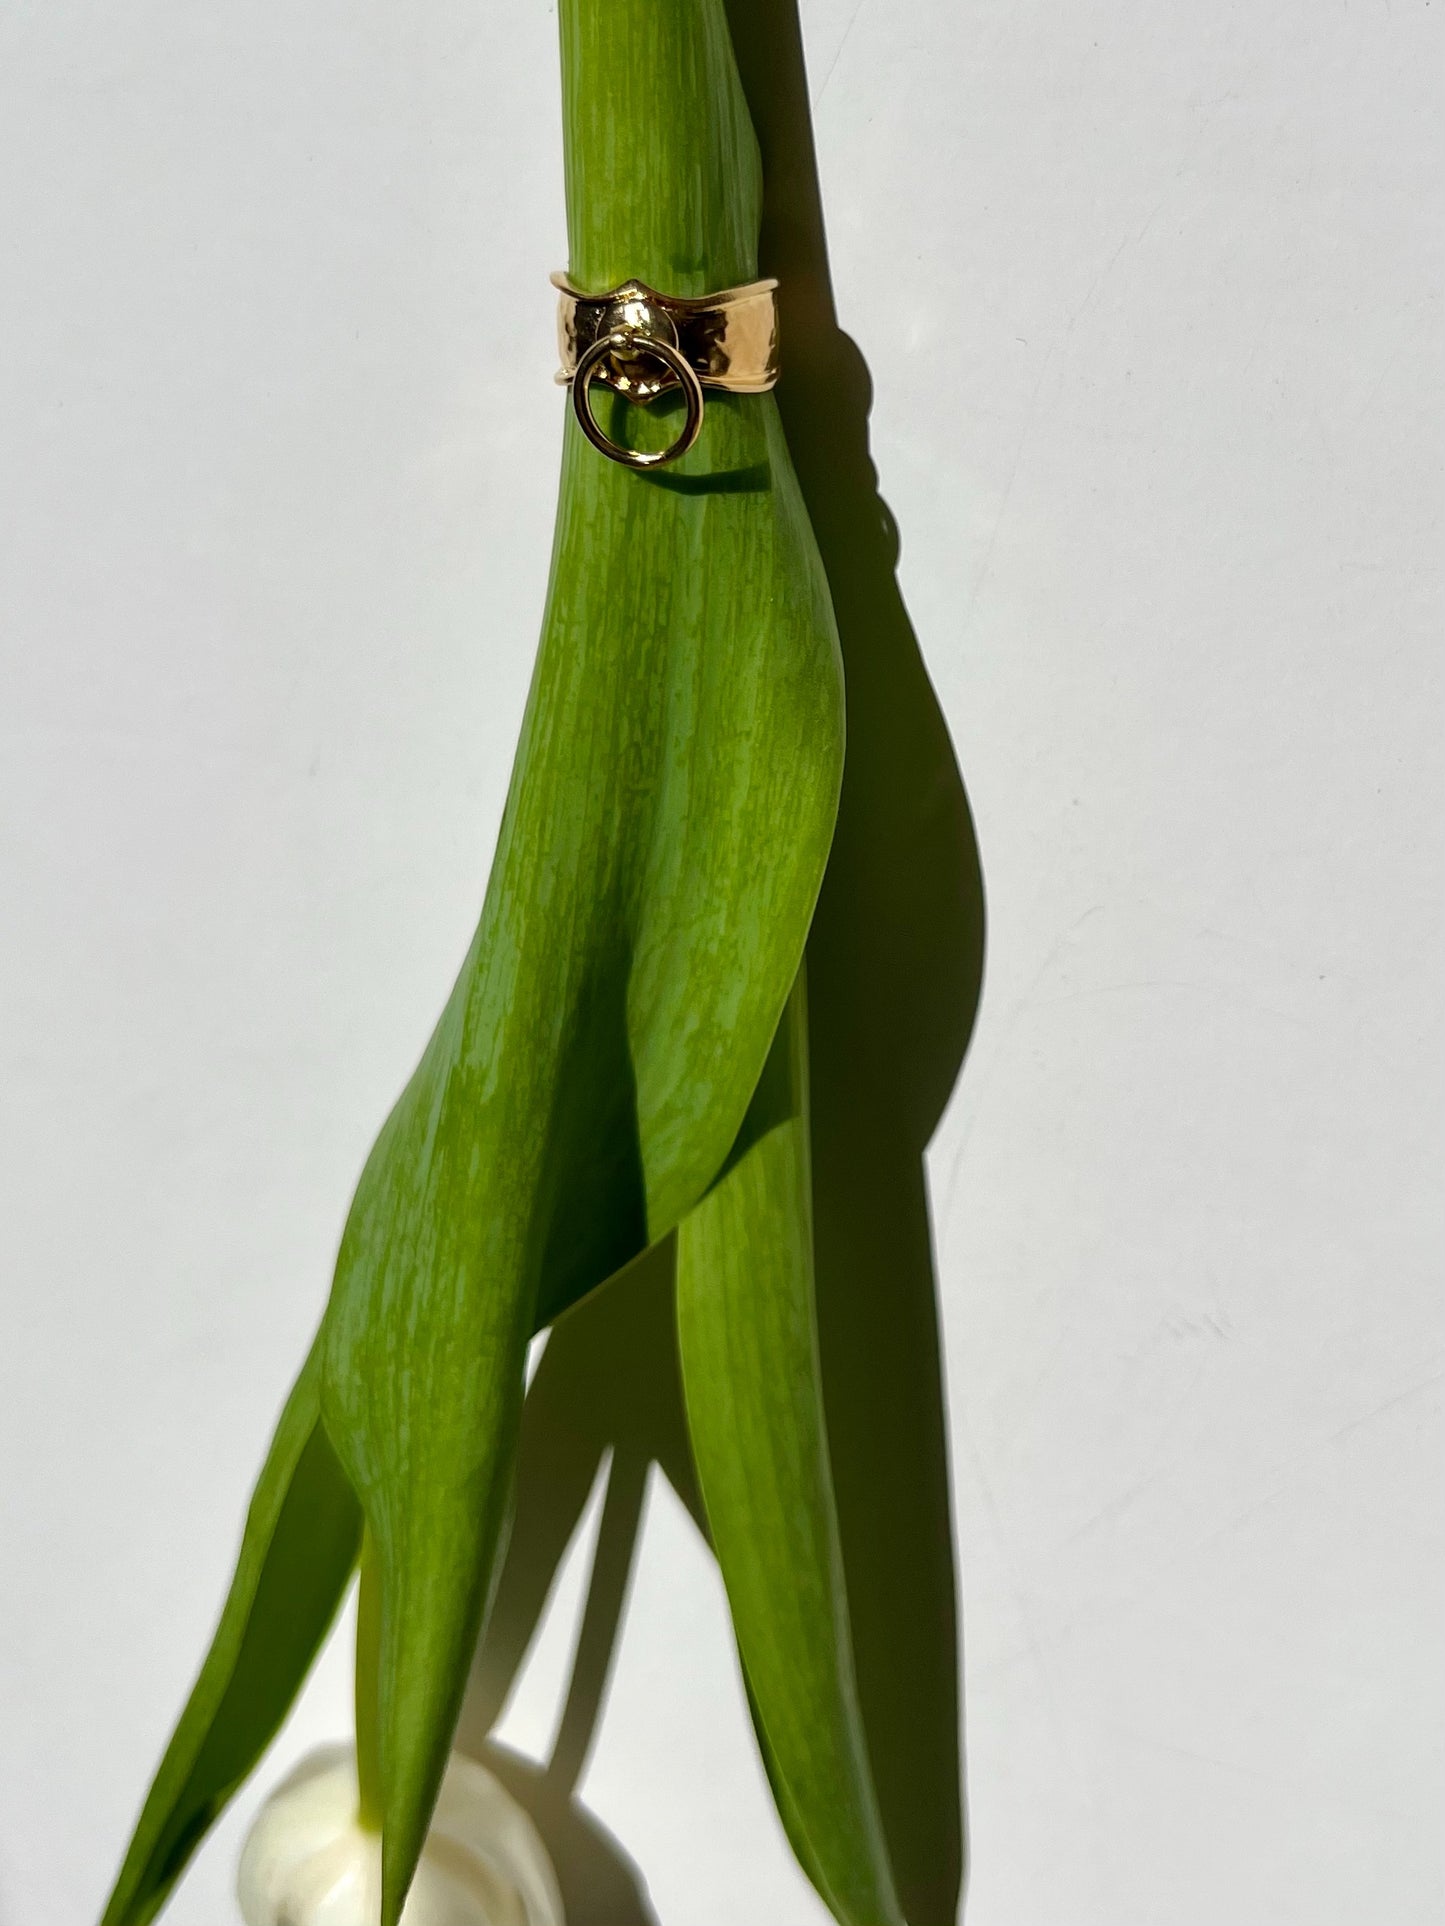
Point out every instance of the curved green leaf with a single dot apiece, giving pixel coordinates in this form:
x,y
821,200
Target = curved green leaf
x,y
755,1413
297,1554
664,838
669,817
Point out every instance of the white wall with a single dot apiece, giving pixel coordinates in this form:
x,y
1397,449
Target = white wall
x,y
1150,295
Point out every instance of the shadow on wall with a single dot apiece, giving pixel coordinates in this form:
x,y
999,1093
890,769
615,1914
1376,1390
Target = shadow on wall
x,y
895,967
609,1382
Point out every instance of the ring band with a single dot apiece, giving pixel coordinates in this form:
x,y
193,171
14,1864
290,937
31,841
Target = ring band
x,y
641,343
631,343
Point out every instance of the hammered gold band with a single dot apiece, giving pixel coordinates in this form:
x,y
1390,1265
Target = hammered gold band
x,y
641,343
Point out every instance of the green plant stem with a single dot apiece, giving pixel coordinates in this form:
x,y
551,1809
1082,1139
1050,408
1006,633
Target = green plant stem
x,y
661,851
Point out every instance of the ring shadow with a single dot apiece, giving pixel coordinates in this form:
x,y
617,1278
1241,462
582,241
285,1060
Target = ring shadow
x,y
895,972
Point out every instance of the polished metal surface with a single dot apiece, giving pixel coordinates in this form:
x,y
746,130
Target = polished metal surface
x,y
641,344
634,352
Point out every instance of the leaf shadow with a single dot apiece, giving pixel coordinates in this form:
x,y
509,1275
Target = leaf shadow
x,y
895,973
608,1390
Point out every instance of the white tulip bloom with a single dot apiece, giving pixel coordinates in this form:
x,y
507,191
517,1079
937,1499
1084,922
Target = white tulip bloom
x,y
307,1861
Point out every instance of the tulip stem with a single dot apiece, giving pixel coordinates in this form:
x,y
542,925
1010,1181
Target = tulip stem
x,y
368,1673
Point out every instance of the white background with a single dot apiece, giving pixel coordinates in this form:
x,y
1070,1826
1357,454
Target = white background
x,y
1151,298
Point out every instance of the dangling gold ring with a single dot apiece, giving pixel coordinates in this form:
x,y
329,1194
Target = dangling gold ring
x,y
626,345
641,343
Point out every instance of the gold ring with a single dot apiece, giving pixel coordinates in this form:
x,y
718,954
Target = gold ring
x,y
641,343
630,344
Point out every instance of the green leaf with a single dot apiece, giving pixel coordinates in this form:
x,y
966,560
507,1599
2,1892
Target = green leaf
x,y
666,829
297,1554
663,843
643,922
755,1412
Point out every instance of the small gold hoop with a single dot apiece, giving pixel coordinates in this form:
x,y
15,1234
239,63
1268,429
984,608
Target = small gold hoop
x,y
635,341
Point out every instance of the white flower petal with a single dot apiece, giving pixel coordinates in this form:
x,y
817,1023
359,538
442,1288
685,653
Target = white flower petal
x,y
307,1862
